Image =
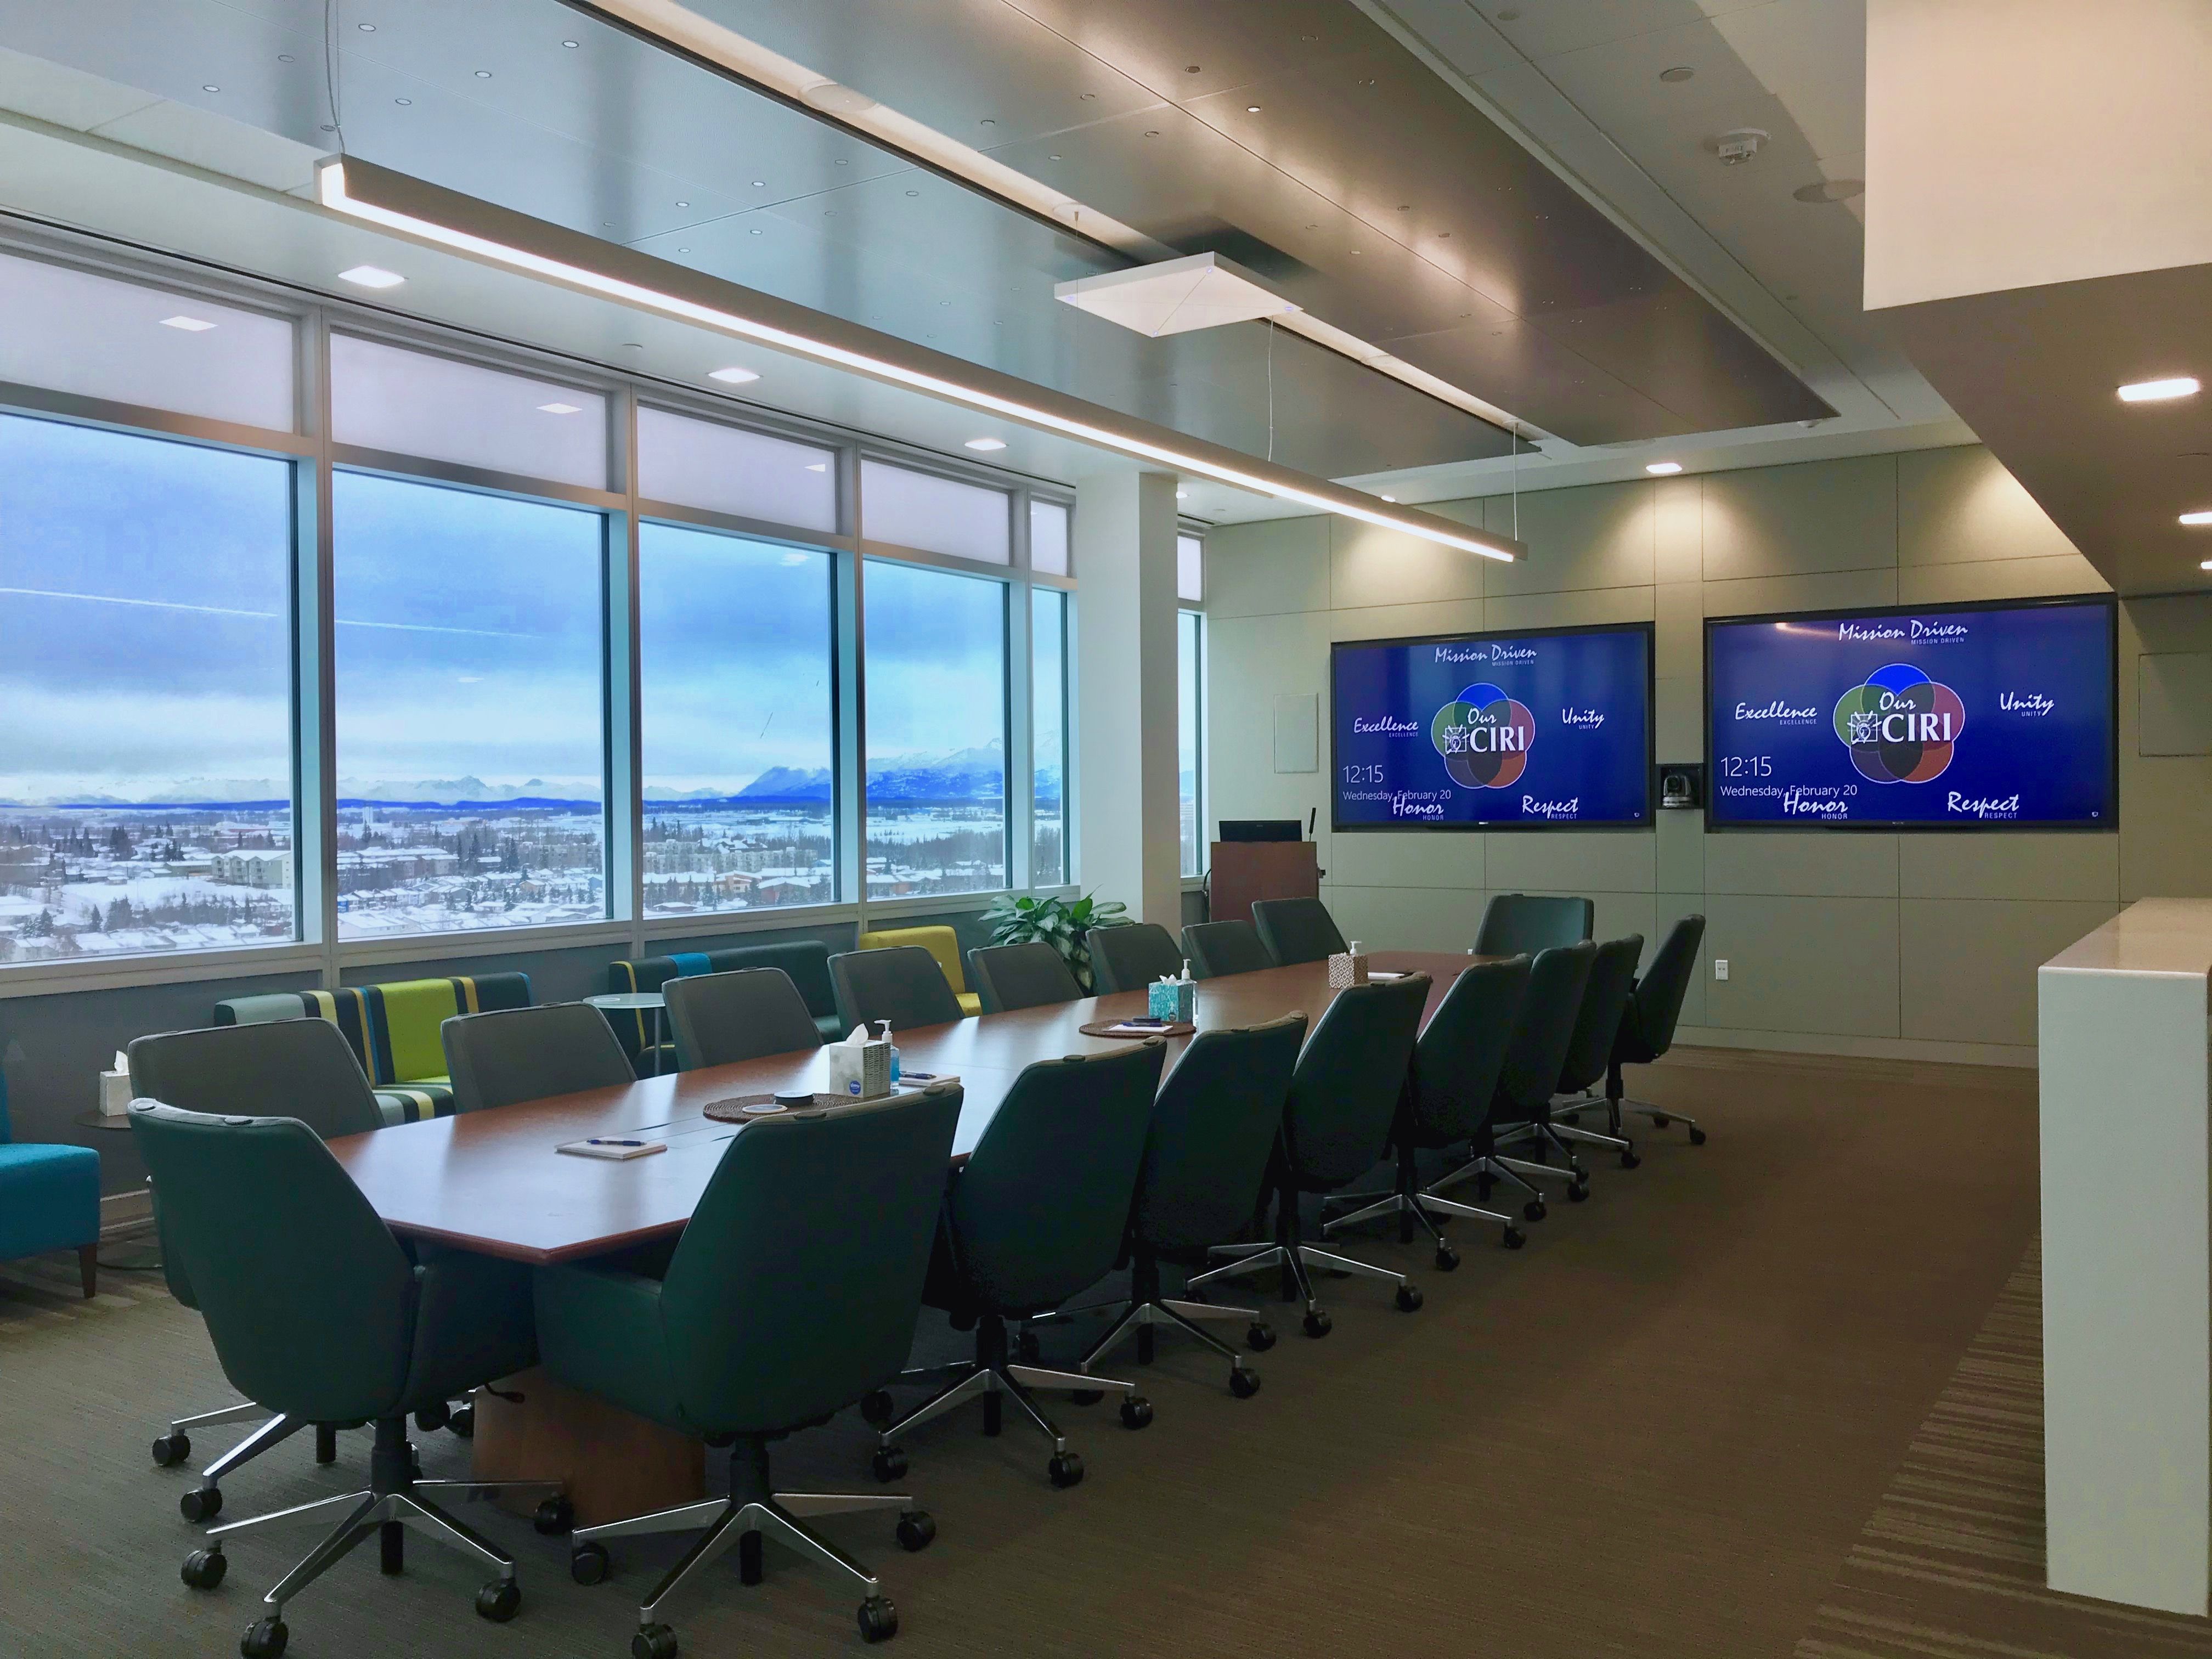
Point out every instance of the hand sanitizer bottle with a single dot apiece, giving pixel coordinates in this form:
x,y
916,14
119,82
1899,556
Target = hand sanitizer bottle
x,y
886,1028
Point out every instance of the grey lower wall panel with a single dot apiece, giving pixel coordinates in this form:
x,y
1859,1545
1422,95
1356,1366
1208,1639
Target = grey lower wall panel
x,y
1968,965
1823,965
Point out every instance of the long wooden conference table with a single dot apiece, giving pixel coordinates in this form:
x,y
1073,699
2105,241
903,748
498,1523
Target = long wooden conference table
x,y
491,1181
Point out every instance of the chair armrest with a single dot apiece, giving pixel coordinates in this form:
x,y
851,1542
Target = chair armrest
x,y
600,1329
473,1321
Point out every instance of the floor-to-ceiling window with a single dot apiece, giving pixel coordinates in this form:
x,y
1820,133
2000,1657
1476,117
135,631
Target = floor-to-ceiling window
x,y
1048,736
471,735
736,651
936,672
146,777
1190,726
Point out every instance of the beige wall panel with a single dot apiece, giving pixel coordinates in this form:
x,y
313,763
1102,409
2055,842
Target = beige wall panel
x,y
1580,609
2011,867
1968,965
2174,702
1840,590
1401,621
1678,718
2000,579
1678,530
1956,505
1370,565
1678,609
1678,842
2166,827
1797,521
1588,861
1252,659
1597,536
1263,569
1802,964
1810,861
1386,859
1667,908
1404,918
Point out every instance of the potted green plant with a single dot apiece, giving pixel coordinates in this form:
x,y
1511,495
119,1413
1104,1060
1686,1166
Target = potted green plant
x,y
1064,925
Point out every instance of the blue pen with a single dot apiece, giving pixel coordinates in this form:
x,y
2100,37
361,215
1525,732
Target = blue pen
x,y
596,1141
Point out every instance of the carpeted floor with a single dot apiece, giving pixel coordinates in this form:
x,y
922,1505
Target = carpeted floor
x,y
1661,1429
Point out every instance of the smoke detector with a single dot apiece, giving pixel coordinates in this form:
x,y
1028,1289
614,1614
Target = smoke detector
x,y
1736,148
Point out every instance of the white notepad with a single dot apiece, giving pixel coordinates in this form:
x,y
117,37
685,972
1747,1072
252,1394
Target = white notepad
x,y
613,1154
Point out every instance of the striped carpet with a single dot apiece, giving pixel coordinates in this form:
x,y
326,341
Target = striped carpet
x,y
1951,1565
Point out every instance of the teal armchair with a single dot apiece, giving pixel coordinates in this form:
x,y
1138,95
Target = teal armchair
x,y
49,1200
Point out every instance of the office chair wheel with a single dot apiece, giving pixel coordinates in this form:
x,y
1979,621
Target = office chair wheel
x,y
1578,1192
1243,1384
1318,1324
203,1569
1259,1336
1447,1257
878,1620
1659,1123
1697,1136
201,1504
1514,1237
264,1638
1066,1469
1026,1347
877,1409
1136,1412
589,1563
498,1601
653,1641
415,1461
1629,1160
917,1530
1409,1298
889,1464
1086,1396
463,1422
431,1419
555,1515
171,1449
1534,1209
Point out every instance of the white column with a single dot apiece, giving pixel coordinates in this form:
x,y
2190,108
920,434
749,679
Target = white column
x,y
1127,843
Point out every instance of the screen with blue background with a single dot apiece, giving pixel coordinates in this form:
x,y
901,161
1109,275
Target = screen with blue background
x,y
1952,718
1492,731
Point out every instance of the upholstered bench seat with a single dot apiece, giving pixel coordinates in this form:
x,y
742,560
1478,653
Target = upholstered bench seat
x,y
806,960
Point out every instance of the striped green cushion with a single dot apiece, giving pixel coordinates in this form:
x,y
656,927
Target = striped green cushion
x,y
414,1101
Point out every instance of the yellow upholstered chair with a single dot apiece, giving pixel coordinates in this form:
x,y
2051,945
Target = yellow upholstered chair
x,y
939,942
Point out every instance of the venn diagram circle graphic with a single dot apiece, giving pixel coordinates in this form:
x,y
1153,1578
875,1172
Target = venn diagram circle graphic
x,y
1900,726
1484,736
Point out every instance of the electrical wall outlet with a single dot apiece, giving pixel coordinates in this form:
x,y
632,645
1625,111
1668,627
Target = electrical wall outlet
x,y
1720,966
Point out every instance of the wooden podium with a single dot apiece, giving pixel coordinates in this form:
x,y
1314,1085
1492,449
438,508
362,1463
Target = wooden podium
x,y
1247,870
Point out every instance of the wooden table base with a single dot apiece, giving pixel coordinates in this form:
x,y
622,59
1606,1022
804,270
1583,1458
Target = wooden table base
x,y
617,1464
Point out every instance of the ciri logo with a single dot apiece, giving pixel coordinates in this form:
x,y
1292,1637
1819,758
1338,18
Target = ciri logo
x,y
1900,726
1484,736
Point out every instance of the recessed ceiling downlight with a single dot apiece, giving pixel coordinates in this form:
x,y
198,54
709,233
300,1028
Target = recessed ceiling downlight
x,y
2159,392
986,444
733,375
561,409
2193,519
188,325
1663,469
371,277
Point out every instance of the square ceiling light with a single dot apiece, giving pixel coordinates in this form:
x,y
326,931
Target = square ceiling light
x,y
1176,296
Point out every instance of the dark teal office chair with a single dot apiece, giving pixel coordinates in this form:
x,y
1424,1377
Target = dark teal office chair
x,y
1130,956
1030,975
1590,1051
302,1069
1647,1026
1216,948
516,1055
1205,1174
1518,924
901,983
1034,1216
793,1292
1296,930
49,1200
719,1019
317,1311
1452,1080
1545,1027
1336,1127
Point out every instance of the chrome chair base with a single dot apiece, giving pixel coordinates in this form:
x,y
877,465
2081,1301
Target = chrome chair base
x,y
1294,1257
1424,1206
1660,1117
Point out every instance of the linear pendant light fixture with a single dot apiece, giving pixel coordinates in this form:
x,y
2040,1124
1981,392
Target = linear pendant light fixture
x,y
410,206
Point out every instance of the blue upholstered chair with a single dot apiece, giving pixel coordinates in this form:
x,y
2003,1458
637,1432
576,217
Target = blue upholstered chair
x,y
49,1200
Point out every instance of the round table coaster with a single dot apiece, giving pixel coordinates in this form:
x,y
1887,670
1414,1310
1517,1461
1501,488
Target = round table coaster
x,y
1104,1028
744,1108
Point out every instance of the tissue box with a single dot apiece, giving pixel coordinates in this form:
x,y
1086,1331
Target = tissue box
x,y
114,1093
862,1070
1175,999
1347,970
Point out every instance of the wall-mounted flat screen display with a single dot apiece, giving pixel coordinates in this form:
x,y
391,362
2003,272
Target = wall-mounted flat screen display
x,y
1950,717
1520,731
